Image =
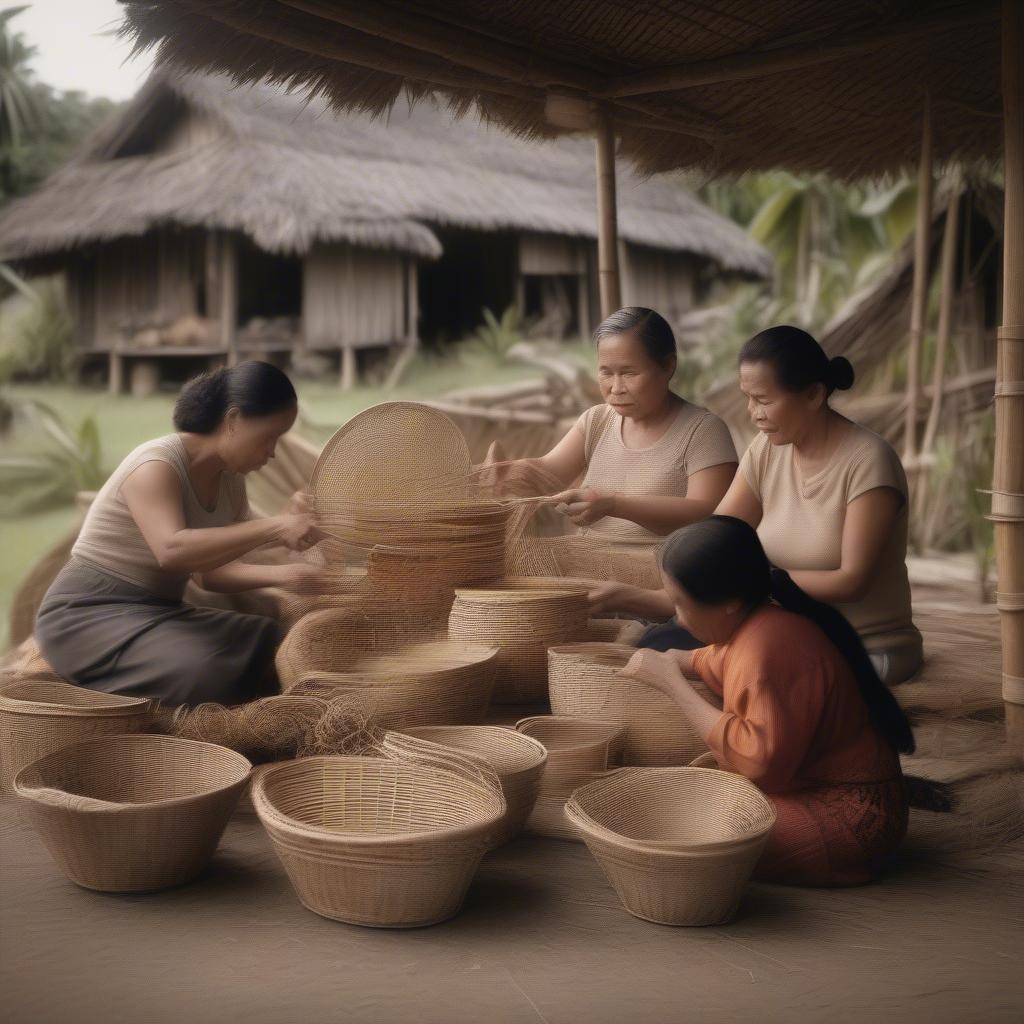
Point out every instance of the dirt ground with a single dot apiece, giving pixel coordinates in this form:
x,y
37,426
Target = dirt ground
x,y
542,938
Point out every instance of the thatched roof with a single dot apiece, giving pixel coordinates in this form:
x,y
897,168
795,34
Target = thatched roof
x,y
288,172
717,84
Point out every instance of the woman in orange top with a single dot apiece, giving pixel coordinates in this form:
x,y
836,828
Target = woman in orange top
x,y
804,716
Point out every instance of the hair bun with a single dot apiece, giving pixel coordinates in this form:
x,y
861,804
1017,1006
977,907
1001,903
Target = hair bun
x,y
840,373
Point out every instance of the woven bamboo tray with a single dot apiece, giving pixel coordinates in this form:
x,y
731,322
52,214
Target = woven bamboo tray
x,y
517,759
583,682
678,845
377,842
132,813
44,713
579,752
522,624
435,683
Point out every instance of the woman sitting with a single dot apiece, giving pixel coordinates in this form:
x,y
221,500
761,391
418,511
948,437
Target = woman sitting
x,y
828,499
650,460
176,507
804,715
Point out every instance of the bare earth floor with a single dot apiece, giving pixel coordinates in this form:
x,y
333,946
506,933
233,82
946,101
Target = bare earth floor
x,y
542,938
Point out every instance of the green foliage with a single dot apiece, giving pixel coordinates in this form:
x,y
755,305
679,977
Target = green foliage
x,y
495,337
36,338
51,462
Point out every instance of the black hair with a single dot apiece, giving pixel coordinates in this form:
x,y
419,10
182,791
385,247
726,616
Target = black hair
x,y
721,559
797,359
651,329
254,388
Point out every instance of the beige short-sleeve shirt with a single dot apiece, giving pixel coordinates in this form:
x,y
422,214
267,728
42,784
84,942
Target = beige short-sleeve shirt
x,y
695,440
803,519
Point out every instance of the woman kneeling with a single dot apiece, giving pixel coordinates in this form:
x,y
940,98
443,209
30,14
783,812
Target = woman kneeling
x,y
805,716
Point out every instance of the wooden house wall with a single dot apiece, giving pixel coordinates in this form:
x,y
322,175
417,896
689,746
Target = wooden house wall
x,y
352,297
661,280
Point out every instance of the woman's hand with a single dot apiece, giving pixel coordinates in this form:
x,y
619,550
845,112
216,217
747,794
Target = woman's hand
x,y
608,597
657,669
300,503
585,506
303,578
297,532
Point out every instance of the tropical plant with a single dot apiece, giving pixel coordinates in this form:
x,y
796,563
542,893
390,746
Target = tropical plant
x,y
36,337
51,464
496,337
21,112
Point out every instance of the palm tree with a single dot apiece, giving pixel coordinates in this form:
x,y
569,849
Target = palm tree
x,y
21,111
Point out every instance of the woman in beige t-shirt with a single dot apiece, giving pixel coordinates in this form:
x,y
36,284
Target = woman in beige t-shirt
x,y
651,462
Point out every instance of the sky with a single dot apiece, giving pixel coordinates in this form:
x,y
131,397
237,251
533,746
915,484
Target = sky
x,y
74,48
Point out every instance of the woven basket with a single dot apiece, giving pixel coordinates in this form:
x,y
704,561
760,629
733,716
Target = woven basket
x,y
133,813
517,759
579,752
583,683
42,714
377,842
522,624
678,845
438,683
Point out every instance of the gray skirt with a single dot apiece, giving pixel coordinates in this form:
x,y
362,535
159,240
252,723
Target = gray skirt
x,y
103,633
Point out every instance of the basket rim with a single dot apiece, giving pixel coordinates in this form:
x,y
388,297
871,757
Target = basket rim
x,y
121,704
113,806
270,815
615,729
585,823
417,732
495,594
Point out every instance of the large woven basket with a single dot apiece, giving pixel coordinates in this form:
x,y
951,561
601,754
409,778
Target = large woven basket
x,y
133,813
437,683
522,623
42,714
377,842
579,752
678,845
517,759
583,682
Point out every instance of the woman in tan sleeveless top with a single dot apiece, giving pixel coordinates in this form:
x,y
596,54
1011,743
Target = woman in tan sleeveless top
x,y
650,461
176,509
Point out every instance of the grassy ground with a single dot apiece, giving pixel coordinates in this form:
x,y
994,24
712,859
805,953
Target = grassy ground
x,y
125,422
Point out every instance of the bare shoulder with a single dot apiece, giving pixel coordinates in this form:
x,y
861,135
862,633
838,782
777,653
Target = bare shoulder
x,y
152,478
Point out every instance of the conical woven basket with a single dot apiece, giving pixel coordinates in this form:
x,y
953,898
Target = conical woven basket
x,y
377,842
522,624
517,759
579,752
132,813
41,714
583,682
678,845
435,683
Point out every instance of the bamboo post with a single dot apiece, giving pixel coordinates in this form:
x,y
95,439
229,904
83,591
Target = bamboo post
x,y
1008,476
348,369
115,371
607,217
229,298
919,299
411,341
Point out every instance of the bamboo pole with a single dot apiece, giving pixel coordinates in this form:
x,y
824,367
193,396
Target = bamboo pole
x,y
229,298
919,298
1008,476
607,217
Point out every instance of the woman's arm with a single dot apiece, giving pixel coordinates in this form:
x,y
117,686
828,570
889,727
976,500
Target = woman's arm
x,y
664,672
741,502
870,520
660,514
296,578
153,495
630,600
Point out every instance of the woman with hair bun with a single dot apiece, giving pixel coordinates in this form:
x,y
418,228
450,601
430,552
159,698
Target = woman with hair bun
x,y
827,497
175,509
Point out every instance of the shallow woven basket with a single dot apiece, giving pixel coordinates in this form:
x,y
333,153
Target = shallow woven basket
x,y
133,813
437,683
522,624
678,845
517,759
583,682
44,713
377,842
579,752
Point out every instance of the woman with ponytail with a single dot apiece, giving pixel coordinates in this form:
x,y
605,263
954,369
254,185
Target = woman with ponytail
x,y
827,497
175,509
804,715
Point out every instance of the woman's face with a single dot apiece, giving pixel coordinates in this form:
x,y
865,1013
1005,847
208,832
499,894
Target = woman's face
x,y
631,382
709,623
248,443
784,417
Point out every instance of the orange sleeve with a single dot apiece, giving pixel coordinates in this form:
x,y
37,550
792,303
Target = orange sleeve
x,y
708,664
767,725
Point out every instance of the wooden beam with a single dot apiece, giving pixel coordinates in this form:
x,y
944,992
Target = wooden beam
x,y
736,67
919,296
229,297
1008,476
607,217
